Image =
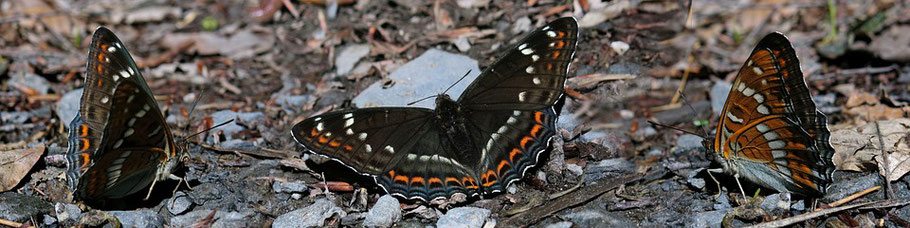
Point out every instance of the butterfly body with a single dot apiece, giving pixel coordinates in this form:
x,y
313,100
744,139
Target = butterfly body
x,y
770,131
476,145
119,141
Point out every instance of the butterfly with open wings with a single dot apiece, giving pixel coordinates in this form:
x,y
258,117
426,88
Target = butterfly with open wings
x,y
769,130
119,142
476,145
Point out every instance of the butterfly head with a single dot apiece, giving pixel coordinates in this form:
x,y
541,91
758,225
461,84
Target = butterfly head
x,y
445,106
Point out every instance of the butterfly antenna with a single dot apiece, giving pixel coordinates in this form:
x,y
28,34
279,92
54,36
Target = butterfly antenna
x,y
421,99
675,128
209,129
456,82
694,113
193,108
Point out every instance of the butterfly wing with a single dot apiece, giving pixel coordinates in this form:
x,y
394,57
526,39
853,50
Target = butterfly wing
x,y
512,116
120,134
529,77
401,148
770,129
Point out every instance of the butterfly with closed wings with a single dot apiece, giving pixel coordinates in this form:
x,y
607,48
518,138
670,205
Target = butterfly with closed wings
x,y
119,142
769,130
476,145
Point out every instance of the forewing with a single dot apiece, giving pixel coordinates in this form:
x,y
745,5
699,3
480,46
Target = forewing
x,y
771,86
530,76
401,148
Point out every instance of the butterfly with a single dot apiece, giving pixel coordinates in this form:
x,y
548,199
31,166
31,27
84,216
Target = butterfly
x,y
119,141
476,145
769,130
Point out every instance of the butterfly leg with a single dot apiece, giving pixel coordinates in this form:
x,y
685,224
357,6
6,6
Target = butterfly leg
x,y
719,190
736,176
149,194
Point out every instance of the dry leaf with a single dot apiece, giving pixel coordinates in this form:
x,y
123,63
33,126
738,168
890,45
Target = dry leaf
x,y
15,164
859,149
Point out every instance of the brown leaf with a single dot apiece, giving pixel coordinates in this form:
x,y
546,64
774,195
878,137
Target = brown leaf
x,y
859,149
15,164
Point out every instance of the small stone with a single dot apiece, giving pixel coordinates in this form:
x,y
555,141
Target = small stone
x,y
687,142
179,203
68,106
776,202
239,144
472,3
563,224
19,208
588,217
799,205
310,216
289,187
349,56
607,168
575,169
697,183
719,93
427,75
222,218
140,218
385,213
619,47
67,213
230,128
30,80
521,25
708,219
626,114
722,203
296,196
462,43
512,189
464,217
293,103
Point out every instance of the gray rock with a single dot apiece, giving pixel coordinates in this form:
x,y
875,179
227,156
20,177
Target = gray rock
x,y
688,142
521,25
179,203
608,168
846,183
289,187
800,205
464,217
14,117
722,203
19,208
293,103
597,218
239,144
310,216
708,219
427,75
49,220
697,183
140,218
223,219
719,93
566,120
385,213
349,56
776,202
575,169
563,224
68,106
225,115
31,80
67,213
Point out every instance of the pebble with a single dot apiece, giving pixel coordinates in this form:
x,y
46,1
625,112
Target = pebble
x,y
385,213
223,219
225,115
349,56
68,106
67,213
521,25
468,217
575,169
711,219
427,75
687,142
179,203
588,217
722,203
697,183
563,224
310,216
719,93
289,187
293,103
619,47
607,168
846,183
20,208
30,80
776,202
140,218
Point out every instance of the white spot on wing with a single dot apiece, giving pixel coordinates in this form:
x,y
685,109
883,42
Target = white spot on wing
x,y
734,118
389,149
111,49
124,74
140,113
527,51
535,58
748,92
530,69
362,136
128,132
522,46
521,96
758,70
536,80
368,147
779,153
349,131
551,34
319,126
759,98
762,128
349,122
104,100
763,109
348,115
777,144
